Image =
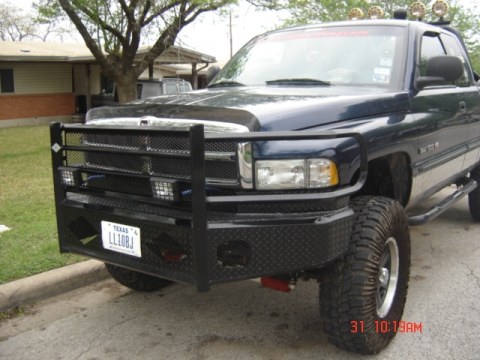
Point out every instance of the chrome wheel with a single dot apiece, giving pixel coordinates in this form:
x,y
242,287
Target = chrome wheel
x,y
387,277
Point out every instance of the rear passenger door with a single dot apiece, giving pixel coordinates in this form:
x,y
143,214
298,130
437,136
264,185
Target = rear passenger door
x,y
441,123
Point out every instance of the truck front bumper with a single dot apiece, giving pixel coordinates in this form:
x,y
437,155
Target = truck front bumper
x,y
233,248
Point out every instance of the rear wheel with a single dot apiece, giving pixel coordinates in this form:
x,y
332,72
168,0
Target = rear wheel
x,y
136,280
474,196
368,286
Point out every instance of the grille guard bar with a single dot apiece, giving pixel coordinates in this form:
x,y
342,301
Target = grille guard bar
x,y
198,138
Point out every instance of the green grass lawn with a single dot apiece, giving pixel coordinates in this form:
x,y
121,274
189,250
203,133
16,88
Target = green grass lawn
x,y
27,205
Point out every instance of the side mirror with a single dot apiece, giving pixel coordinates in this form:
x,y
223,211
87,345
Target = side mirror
x,y
212,72
441,69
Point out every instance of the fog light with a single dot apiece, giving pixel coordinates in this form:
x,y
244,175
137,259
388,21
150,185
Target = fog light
x,y
355,14
440,8
165,189
375,12
417,10
70,176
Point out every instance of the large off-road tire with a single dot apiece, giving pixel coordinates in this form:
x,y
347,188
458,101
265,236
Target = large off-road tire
x,y
135,280
362,296
474,196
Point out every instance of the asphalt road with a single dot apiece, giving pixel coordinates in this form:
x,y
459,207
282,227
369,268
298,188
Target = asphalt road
x,y
244,321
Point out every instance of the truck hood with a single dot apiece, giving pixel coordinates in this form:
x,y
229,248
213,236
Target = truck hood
x,y
258,108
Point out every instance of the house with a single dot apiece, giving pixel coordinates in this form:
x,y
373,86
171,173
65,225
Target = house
x,y
44,82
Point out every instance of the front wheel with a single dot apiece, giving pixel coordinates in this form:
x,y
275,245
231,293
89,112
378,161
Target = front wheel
x,y
369,284
136,280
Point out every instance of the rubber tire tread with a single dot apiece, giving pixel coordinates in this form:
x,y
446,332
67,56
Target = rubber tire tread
x,y
474,196
136,280
348,288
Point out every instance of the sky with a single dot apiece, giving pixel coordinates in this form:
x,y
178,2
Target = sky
x,y
210,33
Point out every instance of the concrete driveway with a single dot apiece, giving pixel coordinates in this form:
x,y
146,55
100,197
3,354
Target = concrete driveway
x,y
244,321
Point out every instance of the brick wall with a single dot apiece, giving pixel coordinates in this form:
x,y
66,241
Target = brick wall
x,y
36,105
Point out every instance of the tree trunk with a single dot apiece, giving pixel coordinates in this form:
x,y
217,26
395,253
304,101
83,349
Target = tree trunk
x,y
126,87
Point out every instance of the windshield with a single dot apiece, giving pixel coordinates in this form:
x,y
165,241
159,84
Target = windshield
x,y
357,55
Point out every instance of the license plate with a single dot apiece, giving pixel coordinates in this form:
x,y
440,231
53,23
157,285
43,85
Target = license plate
x,y
121,238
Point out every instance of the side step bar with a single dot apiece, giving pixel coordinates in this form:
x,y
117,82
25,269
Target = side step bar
x,y
443,205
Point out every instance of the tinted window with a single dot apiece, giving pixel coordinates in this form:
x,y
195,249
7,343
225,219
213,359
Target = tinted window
x,y
6,81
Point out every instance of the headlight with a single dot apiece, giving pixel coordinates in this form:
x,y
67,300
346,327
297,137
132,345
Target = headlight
x,y
295,174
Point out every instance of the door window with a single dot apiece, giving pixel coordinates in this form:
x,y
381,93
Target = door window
x,y
431,47
453,48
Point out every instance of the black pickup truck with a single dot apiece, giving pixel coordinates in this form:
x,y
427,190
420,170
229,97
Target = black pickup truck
x,y
301,160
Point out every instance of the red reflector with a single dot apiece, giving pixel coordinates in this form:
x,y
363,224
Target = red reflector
x,y
173,256
275,284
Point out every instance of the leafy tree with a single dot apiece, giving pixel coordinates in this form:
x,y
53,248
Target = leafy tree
x,y
307,11
18,24
463,15
15,25
467,21
113,31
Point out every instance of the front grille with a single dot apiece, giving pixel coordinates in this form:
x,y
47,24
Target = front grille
x,y
215,170
127,156
160,143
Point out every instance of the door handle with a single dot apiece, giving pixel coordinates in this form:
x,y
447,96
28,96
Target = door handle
x,y
462,105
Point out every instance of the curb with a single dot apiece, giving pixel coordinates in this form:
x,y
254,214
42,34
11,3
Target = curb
x,y
51,283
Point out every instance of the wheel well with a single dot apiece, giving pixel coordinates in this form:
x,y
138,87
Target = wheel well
x,y
389,176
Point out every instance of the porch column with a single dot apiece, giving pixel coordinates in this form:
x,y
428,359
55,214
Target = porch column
x,y
194,76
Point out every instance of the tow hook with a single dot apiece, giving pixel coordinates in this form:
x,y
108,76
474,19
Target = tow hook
x,y
278,284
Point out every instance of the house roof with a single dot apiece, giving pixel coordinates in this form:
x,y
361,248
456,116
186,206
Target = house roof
x,y
24,51
41,51
180,55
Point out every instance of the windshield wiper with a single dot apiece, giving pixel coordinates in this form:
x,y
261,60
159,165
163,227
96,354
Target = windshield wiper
x,y
298,81
226,83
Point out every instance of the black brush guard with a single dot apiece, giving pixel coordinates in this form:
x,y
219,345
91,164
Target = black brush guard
x,y
205,248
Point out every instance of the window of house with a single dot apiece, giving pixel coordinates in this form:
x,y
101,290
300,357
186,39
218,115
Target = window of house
x,y
139,90
6,81
107,85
